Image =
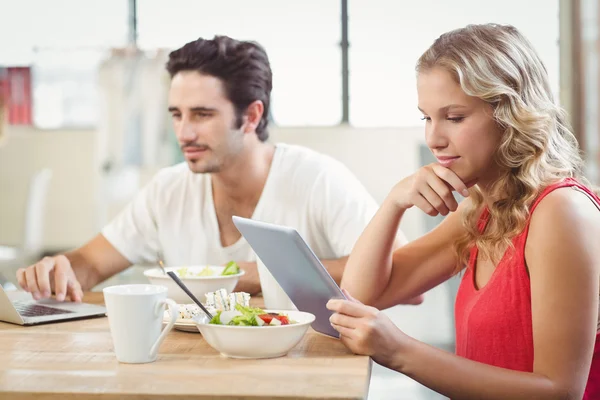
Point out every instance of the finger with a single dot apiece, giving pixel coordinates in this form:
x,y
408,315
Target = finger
x,y
61,282
443,191
74,290
62,277
331,305
22,279
422,203
42,274
451,178
32,282
344,320
344,332
349,308
434,199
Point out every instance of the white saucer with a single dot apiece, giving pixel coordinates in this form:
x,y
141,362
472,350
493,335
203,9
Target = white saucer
x,y
185,325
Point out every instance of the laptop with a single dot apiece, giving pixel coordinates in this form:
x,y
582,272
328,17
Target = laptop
x,y
21,309
295,267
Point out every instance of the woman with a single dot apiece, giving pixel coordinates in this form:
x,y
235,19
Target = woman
x,y
525,239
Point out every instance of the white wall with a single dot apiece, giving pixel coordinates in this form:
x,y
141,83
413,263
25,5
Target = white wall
x,y
379,157
70,207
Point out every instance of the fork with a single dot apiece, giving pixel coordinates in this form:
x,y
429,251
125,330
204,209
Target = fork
x,y
161,263
182,286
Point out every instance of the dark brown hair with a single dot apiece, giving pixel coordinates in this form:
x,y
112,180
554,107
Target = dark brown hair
x,y
242,66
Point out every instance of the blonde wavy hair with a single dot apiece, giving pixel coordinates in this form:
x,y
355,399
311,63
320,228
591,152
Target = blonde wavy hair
x,y
497,64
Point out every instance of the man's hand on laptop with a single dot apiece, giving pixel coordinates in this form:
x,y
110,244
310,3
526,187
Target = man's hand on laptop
x,y
50,274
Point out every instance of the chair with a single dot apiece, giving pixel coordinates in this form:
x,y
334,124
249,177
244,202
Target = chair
x,y
33,233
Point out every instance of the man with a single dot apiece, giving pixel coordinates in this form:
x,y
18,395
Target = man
x,y
219,101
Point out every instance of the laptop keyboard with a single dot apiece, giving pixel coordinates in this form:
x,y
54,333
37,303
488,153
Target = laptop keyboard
x,y
37,310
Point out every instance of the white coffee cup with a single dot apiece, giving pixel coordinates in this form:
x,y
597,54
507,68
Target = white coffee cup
x,y
273,294
135,314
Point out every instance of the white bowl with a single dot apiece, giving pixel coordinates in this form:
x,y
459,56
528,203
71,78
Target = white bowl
x,y
256,341
198,285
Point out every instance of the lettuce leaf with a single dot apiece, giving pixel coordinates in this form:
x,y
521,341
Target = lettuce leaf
x,y
216,319
231,268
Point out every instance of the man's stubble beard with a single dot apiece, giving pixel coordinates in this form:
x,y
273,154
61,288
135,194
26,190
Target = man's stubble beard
x,y
236,147
198,167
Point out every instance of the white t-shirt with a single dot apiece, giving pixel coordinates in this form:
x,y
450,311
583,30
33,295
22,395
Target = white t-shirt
x,y
311,192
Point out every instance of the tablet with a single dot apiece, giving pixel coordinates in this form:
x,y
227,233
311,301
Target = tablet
x,y
295,268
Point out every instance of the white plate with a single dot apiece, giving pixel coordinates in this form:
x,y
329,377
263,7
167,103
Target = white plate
x,y
198,285
185,325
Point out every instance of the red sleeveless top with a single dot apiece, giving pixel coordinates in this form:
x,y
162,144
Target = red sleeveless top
x,y
493,324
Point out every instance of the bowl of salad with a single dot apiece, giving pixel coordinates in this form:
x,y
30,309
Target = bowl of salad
x,y
238,330
200,279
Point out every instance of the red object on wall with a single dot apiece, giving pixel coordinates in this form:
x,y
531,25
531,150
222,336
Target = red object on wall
x,y
15,90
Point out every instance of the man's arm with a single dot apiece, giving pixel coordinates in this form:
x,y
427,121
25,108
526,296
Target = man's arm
x,y
249,283
96,261
74,272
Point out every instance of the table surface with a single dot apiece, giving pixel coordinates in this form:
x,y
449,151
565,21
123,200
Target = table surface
x,y
75,360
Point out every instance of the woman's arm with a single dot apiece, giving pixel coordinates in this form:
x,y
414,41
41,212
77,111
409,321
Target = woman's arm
x,y
563,258
375,273
377,276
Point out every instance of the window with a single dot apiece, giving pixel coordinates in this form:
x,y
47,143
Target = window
x,y
388,36
301,38
63,40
